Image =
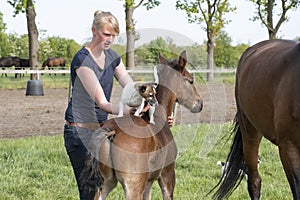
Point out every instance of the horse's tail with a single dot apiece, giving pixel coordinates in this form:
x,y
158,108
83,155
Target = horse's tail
x,y
235,166
91,175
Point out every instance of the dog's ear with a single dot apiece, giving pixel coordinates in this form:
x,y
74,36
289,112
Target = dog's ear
x,y
154,85
137,86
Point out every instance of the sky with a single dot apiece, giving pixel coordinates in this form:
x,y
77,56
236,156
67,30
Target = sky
x,y
72,19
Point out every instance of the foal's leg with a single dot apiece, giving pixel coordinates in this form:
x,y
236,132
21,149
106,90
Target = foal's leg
x,y
147,191
289,151
251,141
133,184
110,182
167,182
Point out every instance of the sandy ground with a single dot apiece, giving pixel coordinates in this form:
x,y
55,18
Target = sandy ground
x,y
22,115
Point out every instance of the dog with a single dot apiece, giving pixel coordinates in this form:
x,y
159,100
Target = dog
x,y
225,164
135,94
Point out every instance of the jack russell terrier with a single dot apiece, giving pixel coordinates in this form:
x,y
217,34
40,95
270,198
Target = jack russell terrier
x,y
135,94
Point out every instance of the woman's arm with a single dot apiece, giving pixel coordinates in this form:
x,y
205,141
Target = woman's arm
x,y
93,87
122,75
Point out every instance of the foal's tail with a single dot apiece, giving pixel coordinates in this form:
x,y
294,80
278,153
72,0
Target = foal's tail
x,y
91,178
233,175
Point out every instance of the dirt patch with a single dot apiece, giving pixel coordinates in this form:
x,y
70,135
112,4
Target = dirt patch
x,y
23,115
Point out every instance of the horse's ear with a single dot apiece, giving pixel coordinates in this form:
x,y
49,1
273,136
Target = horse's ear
x,y
162,59
182,59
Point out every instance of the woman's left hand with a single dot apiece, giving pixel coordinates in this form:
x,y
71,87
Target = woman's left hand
x,y
171,119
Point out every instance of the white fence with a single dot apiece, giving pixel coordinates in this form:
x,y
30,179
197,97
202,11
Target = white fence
x,y
136,71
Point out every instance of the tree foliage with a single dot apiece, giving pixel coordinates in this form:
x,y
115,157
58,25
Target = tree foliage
x,y
267,10
211,13
58,47
19,5
226,55
4,42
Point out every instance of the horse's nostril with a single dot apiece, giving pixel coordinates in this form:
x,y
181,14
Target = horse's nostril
x,y
198,106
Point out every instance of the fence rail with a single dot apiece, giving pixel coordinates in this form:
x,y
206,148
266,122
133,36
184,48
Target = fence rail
x,y
136,71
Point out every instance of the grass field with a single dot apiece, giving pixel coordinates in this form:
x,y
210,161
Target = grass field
x,y
38,167
52,81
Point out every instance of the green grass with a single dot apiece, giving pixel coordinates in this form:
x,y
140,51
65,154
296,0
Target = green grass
x,y
52,81
38,167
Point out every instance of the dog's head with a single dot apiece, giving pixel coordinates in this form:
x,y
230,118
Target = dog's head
x,y
147,91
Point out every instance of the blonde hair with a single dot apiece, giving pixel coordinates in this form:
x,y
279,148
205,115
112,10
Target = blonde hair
x,y
102,18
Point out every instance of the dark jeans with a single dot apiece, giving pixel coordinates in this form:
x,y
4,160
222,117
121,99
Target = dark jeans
x,y
76,140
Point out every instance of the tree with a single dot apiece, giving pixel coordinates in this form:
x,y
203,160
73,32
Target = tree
x,y
27,6
57,47
266,9
18,45
226,55
130,6
211,12
4,41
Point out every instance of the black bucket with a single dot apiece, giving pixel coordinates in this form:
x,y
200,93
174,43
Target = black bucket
x,y
34,88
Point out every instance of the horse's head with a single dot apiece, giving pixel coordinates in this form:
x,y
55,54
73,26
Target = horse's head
x,y
174,75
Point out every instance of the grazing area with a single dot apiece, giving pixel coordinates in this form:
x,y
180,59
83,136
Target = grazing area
x,y
38,168
34,164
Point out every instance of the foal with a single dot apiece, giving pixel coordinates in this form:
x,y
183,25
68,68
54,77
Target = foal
x,y
135,153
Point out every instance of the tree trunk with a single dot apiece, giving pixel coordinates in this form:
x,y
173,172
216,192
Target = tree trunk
x,y
270,27
130,34
33,38
210,58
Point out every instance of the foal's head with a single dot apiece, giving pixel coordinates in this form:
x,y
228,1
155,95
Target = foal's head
x,y
174,75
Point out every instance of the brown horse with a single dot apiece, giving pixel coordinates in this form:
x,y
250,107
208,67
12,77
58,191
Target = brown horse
x,y
136,153
268,105
54,63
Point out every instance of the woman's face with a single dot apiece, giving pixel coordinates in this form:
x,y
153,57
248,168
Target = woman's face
x,y
105,36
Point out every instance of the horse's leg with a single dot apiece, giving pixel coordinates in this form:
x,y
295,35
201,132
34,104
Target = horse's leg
x,y
251,141
147,191
167,182
133,185
290,158
110,182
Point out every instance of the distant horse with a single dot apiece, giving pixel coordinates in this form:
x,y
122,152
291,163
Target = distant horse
x,y
136,153
9,62
23,63
54,63
267,94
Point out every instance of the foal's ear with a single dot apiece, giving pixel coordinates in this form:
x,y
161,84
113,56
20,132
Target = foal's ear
x,y
182,59
162,60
